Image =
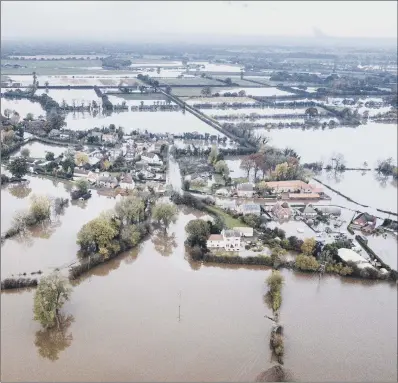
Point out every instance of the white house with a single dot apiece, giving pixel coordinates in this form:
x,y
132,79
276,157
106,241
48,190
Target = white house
x,y
80,173
229,240
309,212
127,182
151,158
245,190
92,177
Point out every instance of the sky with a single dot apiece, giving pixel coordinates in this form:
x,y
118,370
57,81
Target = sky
x,y
133,20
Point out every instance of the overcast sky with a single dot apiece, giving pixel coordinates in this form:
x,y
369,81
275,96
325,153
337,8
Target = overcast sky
x,y
125,20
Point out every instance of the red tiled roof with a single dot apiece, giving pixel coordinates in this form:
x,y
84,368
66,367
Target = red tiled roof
x,y
216,237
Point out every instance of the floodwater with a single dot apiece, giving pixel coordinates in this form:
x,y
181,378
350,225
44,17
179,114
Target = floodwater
x,y
38,150
23,107
248,111
356,144
54,244
78,96
151,315
154,122
261,91
367,188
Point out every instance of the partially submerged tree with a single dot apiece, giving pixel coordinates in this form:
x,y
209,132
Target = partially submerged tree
x,y
18,167
25,152
82,185
51,294
165,213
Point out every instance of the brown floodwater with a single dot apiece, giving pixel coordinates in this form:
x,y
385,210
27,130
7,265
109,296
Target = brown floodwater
x,y
47,246
127,325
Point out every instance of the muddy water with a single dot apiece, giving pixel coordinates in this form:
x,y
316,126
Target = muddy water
x,y
23,107
356,144
38,149
128,327
54,244
367,188
154,122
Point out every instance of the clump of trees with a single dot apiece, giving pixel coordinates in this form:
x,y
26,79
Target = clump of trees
x,y
387,168
51,294
274,283
18,167
81,189
112,232
273,164
164,214
198,231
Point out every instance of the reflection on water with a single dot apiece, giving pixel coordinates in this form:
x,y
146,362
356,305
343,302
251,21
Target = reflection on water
x,y
367,189
20,190
334,330
50,342
356,144
164,243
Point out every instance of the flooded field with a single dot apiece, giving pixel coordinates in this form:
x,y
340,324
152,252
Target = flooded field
x,y
154,122
53,244
77,96
367,188
38,149
356,144
219,334
261,91
23,107
248,111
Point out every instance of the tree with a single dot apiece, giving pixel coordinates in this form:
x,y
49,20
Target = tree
x,y
97,235
308,246
247,164
50,156
7,112
29,117
228,81
81,158
221,167
18,167
46,84
40,207
306,263
165,213
82,185
206,91
130,210
311,112
281,171
120,133
25,152
168,89
198,231
213,155
55,120
51,294
242,93
130,235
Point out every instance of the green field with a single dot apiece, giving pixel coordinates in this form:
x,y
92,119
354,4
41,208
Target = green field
x,y
229,220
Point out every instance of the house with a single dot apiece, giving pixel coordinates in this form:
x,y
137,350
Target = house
x,y
228,239
365,222
151,158
215,240
110,138
127,182
304,196
348,255
64,136
245,190
308,212
329,210
107,182
250,208
53,133
244,231
92,177
292,186
281,211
